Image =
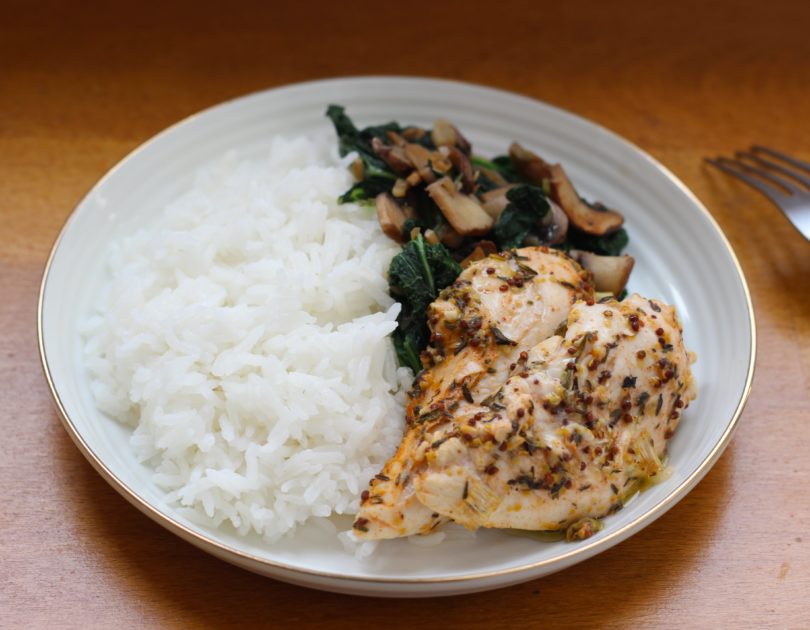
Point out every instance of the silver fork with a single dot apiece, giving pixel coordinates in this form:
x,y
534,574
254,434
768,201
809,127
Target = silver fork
x,y
775,180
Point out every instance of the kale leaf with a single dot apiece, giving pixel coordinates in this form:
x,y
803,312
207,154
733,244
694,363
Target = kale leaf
x,y
416,276
351,139
377,176
527,206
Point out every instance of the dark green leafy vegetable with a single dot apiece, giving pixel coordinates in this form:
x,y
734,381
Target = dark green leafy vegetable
x,y
351,139
501,164
366,190
378,177
416,276
527,206
428,215
608,245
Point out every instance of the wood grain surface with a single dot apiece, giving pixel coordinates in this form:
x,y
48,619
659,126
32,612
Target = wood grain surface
x,y
81,84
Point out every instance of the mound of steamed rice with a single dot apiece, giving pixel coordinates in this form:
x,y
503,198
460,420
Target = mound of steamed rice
x,y
245,338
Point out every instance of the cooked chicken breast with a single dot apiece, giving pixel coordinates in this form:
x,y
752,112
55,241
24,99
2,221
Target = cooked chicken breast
x,y
481,325
581,421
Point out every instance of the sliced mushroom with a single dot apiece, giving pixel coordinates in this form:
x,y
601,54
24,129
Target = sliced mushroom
x,y
420,158
597,220
393,156
413,133
462,143
400,188
583,216
494,201
391,216
395,138
462,162
529,166
610,273
448,236
556,224
463,212
440,162
443,133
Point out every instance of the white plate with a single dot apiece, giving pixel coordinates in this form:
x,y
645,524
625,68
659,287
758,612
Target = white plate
x,y
682,257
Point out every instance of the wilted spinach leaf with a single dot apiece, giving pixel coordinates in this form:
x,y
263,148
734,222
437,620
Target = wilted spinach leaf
x,y
527,206
609,245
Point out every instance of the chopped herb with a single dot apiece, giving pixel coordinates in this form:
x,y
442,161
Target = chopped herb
x,y
527,272
430,415
555,489
629,382
641,402
527,480
466,391
500,338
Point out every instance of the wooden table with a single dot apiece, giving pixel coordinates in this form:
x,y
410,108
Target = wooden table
x,y
82,84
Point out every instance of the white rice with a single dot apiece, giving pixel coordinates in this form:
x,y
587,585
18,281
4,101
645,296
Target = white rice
x,y
245,338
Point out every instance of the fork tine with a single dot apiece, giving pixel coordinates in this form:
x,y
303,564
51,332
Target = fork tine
x,y
771,177
786,158
773,165
766,189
